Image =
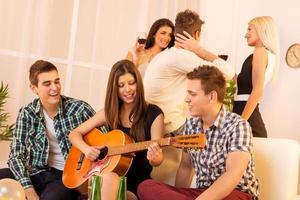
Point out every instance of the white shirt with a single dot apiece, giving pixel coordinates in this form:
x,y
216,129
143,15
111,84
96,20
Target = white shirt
x,y
270,68
55,157
165,82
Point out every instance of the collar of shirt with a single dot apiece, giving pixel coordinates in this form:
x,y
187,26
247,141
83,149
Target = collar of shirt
x,y
219,122
39,111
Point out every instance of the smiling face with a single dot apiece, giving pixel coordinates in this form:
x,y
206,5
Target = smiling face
x,y
252,36
127,88
198,102
48,88
163,37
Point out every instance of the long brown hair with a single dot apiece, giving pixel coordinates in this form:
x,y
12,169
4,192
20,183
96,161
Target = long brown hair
x,y
113,103
153,30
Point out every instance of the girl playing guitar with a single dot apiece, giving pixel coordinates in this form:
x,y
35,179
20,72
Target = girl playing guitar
x,y
125,109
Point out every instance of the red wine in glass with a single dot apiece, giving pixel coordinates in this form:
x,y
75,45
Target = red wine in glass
x,y
223,56
141,40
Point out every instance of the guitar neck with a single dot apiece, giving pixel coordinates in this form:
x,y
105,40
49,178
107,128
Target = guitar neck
x,y
134,147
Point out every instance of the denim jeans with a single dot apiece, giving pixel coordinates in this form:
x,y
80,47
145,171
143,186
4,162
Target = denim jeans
x,y
48,184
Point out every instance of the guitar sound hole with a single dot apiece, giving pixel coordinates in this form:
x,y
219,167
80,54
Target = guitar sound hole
x,y
103,153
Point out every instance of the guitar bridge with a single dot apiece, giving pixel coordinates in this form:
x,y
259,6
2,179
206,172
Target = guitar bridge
x,y
80,161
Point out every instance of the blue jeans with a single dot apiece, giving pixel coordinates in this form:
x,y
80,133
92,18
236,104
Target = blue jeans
x,y
48,184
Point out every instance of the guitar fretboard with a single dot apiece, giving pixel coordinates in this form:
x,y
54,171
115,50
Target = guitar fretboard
x,y
133,147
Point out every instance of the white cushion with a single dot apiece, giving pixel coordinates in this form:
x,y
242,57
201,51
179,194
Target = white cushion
x,y
276,164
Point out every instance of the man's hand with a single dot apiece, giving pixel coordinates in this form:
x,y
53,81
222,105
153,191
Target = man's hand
x,y
31,194
186,41
154,154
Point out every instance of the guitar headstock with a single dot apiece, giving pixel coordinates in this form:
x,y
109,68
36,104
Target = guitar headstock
x,y
194,141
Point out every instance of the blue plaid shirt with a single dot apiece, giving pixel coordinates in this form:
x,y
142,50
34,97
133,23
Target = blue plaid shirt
x,y
229,133
30,146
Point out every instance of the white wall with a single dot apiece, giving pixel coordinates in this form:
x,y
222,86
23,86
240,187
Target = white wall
x,y
84,39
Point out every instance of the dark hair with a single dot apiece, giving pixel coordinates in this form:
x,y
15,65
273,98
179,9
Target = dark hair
x,y
153,30
40,66
188,21
113,103
212,79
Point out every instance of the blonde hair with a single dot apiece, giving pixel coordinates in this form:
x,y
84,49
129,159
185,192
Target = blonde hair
x,y
268,33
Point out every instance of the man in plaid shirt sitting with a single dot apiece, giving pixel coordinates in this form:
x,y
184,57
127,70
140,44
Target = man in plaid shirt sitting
x,y
40,142
225,167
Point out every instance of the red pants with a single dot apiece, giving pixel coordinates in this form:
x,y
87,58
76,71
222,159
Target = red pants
x,y
152,190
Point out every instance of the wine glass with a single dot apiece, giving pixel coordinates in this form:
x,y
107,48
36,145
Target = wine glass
x,y
142,36
223,53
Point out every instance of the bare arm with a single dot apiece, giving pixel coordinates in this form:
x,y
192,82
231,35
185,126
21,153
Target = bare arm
x,y
76,137
259,63
235,79
189,43
31,194
236,164
185,171
154,154
129,56
135,53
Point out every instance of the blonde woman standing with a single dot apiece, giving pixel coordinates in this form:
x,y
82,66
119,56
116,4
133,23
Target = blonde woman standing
x,y
257,71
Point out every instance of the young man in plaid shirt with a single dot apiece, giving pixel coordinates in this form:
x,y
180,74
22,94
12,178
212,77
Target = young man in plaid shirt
x,y
225,167
40,142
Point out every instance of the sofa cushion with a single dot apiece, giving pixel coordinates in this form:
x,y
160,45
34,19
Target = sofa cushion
x,y
276,164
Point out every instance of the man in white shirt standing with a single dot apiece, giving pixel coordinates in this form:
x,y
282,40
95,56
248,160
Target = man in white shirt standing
x,y
165,78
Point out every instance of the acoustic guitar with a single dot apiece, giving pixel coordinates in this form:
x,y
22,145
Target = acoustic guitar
x,y
116,155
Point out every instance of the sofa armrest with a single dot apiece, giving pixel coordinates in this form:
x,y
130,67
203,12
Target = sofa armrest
x,y
277,165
